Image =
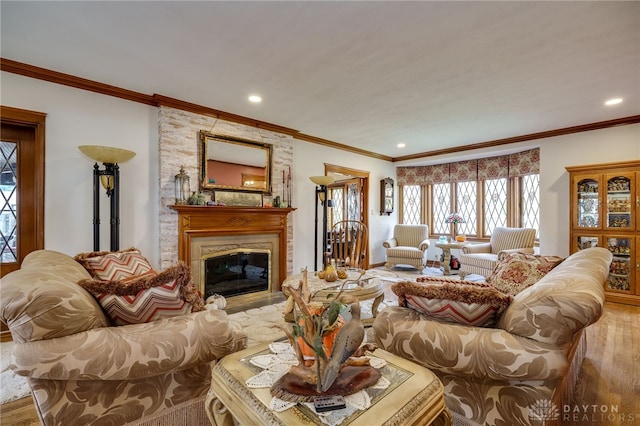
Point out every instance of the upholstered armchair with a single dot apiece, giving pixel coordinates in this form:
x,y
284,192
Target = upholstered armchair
x,y
83,370
408,246
482,258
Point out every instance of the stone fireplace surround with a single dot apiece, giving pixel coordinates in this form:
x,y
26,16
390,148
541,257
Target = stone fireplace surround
x,y
179,145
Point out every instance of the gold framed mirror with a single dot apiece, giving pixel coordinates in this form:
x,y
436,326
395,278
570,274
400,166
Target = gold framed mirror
x,y
235,164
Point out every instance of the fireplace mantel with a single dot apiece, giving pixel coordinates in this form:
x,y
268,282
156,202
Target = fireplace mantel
x,y
205,221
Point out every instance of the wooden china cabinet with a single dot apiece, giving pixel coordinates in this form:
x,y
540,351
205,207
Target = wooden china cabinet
x,y
605,212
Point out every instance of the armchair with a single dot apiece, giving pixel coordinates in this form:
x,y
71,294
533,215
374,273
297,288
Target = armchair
x,y
483,258
83,370
408,246
497,375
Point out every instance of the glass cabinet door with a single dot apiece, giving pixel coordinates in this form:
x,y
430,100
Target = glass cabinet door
x,y
586,241
620,272
587,208
619,202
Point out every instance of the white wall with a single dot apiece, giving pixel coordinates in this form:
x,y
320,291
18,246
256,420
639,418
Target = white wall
x,y
77,117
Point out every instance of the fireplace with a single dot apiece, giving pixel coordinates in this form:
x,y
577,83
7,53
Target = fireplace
x,y
216,241
236,272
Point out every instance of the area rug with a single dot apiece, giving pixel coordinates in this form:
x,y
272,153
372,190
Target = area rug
x,y
12,387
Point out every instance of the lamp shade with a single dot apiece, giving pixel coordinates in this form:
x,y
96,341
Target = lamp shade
x,y
322,180
106,154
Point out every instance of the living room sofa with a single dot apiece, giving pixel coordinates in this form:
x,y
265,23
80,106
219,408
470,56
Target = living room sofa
x,y
523,369
82,370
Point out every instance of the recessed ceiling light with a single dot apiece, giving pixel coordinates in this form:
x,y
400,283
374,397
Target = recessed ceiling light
x,y
255,99
401,145
613,101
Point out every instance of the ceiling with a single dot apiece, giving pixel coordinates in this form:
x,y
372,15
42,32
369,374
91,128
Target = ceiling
x,y
432,75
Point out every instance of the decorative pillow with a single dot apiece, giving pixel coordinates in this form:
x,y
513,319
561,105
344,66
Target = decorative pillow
x,y
463,302
429,279
147,297
518,271
115,266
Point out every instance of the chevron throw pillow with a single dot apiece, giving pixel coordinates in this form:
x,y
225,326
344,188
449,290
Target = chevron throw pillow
x,y
466,303
130,291
147,298
115,266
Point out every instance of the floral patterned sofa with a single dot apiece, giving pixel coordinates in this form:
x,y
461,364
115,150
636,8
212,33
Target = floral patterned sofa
x,y
523,369
83,370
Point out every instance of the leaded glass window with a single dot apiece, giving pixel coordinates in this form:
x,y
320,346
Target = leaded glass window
x,y
495,204
8,202
441,207
530,198
411,205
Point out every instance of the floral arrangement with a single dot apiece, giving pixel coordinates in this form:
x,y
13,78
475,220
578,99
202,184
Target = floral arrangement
x,y
454,218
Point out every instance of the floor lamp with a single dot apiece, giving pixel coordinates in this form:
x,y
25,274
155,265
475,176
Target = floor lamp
x,y
110,179
321,194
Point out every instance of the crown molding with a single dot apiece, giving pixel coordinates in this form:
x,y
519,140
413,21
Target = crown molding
x,y
166,101
27,70
158,100
632,119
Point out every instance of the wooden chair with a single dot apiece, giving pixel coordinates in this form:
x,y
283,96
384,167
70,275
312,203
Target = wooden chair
x,y
348,241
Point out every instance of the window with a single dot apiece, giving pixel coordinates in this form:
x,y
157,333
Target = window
x,y
441,208
488,193
411,207
530,197
495,204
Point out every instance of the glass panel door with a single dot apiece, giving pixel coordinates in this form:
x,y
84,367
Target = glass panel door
x,y
586,241
618,207
620,269
588,206
8,202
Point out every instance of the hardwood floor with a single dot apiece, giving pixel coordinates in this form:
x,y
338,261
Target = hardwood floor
x,y
607,393
610,376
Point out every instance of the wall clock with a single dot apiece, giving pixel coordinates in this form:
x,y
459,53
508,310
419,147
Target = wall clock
x,y
386,196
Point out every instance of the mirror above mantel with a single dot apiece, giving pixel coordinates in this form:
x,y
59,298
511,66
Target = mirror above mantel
x,y
236,164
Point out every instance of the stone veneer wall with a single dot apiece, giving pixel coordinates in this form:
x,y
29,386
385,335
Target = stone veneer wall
x,y
179,145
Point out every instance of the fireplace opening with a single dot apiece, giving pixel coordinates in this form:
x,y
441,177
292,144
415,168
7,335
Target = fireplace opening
x,y
236,272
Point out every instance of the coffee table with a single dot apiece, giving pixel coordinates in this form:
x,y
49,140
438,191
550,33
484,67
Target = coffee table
x,y
415,397
370,288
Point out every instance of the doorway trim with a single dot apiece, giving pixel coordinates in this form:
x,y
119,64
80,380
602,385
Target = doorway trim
x,y
330,169
36,121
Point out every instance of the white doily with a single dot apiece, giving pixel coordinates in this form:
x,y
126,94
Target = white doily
x,y
278,363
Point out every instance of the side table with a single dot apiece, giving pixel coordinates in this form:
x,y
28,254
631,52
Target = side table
x,y
416,399
446,251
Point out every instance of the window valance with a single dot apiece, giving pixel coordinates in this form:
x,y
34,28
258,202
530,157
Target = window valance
x,y
513,165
